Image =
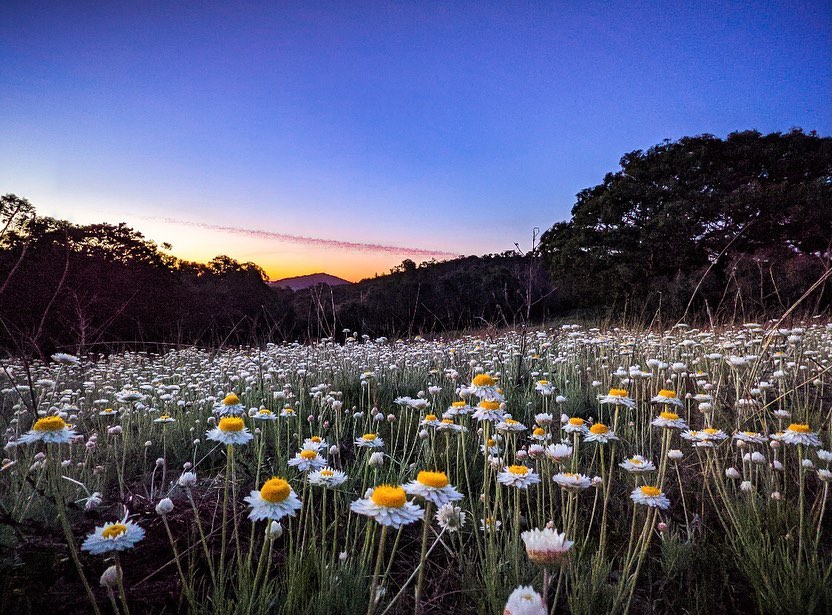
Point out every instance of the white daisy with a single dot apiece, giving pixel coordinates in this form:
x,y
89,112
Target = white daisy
x,y
327,477
518,476
650,496
617,397
264,414
231,430
575,425
307,459
275,500
669,420
637,464
116,536
485,387
525,601
433,487
799,433
49,429
666,396
369,440
509,424
600,433
488,410
230,406
388,505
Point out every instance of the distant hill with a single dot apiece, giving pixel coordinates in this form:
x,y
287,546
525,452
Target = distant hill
x,y
307,281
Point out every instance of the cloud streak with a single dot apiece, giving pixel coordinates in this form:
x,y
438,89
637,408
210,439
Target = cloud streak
x,y
313,241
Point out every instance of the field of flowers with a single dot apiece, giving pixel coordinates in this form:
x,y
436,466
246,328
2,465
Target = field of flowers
x,y
561,470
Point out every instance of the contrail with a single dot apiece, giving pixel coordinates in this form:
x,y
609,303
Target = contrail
x,y
312,241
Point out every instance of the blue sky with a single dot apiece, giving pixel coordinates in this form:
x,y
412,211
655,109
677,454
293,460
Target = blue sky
x,y
447,127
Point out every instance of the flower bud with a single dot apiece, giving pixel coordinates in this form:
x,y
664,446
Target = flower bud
x,y
111,577
164,506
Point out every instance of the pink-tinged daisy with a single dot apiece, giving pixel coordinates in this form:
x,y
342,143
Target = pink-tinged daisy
x,y
571,481
546,546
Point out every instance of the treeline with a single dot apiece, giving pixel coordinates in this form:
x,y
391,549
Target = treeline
x,y
698,228
702,227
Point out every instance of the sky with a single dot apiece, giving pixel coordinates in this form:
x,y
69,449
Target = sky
x,y
345,137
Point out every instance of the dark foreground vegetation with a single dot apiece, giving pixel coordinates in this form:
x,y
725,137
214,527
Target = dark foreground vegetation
x,y
700,228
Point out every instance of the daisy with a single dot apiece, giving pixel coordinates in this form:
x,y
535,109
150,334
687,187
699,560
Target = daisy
x,y
488,410
544,388
449,425
163,419
369,440
315,443
558,452
637,464
288,413
571,481
544,418
457,407
307,459
575,425
231,430
264,414
108,412
525,601
230,406
388,505
749,436
799,433
669,420
600,433
116,536
485,387
493,447
666,396
430,420
509,424
618,397
650,496
546,546
433,487
275,500
518,476
539,435
327,477
50,429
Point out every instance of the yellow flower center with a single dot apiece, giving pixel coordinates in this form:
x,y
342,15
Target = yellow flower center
x,y
539,431
570,475
636,462
289,410
231,400
710,431
327,473
264,412
368,437
512,422
447,422
483,380
618,393
275,490
164,417
231,423
543,382
114,531
389,496
316,439
669,416
49,423
599,428
576,422
491,442
488,404
799,427
458,404
430,417
307,454
649,491
433,479
667,393
518,470
108,410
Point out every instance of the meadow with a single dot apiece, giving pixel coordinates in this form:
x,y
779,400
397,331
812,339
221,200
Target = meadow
x,y
567,469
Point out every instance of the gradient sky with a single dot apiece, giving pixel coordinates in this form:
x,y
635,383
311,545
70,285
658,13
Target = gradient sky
x,y
447,127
